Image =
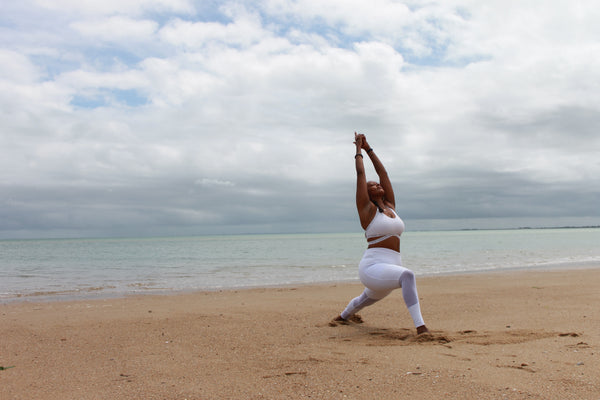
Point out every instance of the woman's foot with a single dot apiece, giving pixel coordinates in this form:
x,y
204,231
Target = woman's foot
x,y
422,329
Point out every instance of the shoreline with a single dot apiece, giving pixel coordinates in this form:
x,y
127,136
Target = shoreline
x,y
512,335
95,293
512,228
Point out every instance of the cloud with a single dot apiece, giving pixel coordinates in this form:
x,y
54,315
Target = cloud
x,y
108,7
16,68
243,31
420,30
144,117
116,28
213,182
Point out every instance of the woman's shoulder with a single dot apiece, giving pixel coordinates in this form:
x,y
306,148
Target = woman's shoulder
x,y
368,216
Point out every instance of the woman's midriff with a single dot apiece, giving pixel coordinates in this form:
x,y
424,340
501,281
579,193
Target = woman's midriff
x,y
392,243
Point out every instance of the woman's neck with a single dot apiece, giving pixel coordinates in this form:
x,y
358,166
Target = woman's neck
x,y
380,204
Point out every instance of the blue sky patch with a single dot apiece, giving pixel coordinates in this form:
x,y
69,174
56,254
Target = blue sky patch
x,y
105,98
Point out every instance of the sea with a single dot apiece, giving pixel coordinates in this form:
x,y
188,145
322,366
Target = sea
x,y
72,269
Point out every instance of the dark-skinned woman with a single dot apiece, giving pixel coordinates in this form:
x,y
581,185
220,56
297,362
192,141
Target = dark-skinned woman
x,y
380,270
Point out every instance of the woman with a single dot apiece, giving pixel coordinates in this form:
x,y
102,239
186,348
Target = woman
x,y
380,269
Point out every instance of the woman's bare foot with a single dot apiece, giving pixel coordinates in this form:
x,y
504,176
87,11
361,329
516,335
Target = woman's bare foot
x,y
422,329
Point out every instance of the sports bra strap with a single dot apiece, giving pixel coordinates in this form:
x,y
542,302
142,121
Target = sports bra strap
x,y
381,239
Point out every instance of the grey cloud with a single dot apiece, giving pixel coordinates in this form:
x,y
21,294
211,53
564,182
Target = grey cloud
x,y
574,127
488,194
183,207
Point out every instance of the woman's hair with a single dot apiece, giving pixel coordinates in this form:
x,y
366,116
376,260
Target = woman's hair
x,y
379,208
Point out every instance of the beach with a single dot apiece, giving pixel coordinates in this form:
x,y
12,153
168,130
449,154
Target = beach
x,y
495,335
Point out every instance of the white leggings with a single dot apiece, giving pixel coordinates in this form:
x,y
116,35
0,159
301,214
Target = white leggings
x,y
381,271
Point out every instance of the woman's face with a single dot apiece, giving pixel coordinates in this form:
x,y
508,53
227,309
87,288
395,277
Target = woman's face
x,y
375,189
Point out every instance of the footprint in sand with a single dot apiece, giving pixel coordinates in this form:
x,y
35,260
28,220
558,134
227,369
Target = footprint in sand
x,y
386,337
355,319
406,337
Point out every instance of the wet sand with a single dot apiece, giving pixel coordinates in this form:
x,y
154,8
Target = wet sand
x,y
508,335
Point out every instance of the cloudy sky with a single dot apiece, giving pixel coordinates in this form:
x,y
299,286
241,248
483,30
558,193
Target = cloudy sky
x,y
178,117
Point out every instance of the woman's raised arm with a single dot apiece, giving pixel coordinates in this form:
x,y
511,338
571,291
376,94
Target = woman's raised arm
x,y
363,203
384,179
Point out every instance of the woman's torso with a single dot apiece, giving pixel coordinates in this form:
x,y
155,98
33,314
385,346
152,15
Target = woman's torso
x,y
384,230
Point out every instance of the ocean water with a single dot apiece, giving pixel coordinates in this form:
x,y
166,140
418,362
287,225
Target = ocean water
x,y
84,268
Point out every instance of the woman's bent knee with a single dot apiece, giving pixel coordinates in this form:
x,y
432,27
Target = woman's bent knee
x,y
407,278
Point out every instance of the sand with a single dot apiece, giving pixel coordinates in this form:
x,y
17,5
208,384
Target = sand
x,y
510,335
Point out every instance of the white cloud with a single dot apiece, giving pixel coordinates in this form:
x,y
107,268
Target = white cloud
x,y
358,16
244,31
213,182
117,28
17,68
108,7
82,79
413,26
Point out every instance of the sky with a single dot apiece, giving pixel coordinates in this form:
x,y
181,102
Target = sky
x,y
181,117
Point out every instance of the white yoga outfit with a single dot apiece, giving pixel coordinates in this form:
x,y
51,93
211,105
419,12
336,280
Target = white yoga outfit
x,y
384,226
381,271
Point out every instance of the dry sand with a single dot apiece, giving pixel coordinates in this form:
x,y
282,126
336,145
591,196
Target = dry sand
x,y
511,335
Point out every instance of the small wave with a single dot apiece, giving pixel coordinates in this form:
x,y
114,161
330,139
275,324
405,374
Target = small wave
x,y
55,293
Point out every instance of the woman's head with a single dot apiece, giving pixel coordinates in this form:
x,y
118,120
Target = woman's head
x,y
375,190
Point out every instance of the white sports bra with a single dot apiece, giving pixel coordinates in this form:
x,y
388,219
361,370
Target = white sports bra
x,y
384,226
